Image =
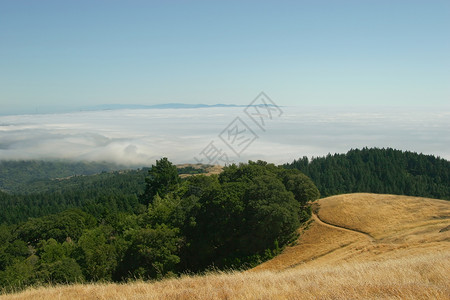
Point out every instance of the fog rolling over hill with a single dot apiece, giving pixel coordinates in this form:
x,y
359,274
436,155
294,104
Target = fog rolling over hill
x,y
137,137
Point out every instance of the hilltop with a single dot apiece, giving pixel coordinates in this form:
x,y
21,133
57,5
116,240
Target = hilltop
x,y
355,246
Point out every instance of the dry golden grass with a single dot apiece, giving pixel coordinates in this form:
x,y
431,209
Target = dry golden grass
x,y
420,277
359,246
210,169
386,216
368,227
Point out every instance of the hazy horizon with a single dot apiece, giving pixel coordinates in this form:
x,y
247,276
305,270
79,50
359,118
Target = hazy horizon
x,y
137,137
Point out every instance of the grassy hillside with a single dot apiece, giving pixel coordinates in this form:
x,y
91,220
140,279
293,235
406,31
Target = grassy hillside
x,y
357,246
368,227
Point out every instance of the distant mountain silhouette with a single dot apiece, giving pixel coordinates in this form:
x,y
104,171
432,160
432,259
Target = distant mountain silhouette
x,y
64,109
156,106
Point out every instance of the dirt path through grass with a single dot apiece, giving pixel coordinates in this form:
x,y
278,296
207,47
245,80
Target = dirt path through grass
x,y
318,220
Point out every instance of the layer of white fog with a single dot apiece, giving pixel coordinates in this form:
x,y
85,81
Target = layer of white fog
x,y
139,137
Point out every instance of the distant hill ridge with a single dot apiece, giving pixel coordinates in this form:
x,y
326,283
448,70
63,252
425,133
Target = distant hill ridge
x,y
160,106
156,106
105,107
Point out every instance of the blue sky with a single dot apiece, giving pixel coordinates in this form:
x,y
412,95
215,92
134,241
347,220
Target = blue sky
x,y
78,53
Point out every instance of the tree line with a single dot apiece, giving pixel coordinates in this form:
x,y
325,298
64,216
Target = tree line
x,y
375,170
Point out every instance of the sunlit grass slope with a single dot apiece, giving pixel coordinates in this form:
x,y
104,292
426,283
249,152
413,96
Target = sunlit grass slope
x,y
368,227
357,246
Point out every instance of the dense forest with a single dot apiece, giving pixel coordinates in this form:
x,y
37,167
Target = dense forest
x,y
150,223
97,194
40,193
374,170
29,176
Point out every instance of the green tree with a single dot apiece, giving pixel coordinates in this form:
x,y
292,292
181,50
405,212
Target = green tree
x,y
162,178
56,265
219,220
13,251
300,185
67,224
20,274
152,253
272,215
97,253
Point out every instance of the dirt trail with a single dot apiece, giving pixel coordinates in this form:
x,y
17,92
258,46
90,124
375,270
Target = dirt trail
x,y
318,220
357,228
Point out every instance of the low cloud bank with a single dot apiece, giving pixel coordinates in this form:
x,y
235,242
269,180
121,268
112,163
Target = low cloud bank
x,y
138,137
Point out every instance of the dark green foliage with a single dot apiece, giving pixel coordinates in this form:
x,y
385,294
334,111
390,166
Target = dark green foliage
x,y
218,221
11,251
152,253
245,215
69,224
162,178
97,253
23,176
18,275
55,264
246,172
271,214
101,195
300,185
64,270
376,170
92,228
